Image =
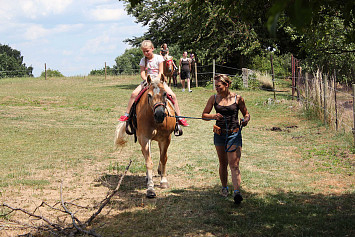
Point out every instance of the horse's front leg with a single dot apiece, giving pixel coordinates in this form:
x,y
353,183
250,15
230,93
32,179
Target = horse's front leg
x,y
163,147
169,83
145,144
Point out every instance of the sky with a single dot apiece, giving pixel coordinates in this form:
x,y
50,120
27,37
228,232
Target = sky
x,y
71,36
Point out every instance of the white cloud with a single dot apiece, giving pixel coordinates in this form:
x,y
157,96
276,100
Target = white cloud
x,y
33,9
36,31
107,13
100,44
73,37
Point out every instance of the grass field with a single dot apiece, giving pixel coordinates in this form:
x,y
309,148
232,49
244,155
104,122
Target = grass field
x,y
297,175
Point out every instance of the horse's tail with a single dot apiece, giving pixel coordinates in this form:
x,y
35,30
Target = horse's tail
x,y
120,135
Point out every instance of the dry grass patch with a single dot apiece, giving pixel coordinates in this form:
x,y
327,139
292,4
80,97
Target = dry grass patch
x,y
296,181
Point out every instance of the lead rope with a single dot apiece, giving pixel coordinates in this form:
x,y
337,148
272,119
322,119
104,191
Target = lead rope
x,y
227,148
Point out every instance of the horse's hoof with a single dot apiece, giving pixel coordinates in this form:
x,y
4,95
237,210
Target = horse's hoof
x,y
164,185
151,194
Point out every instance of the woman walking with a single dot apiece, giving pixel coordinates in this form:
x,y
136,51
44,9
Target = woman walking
x,y
227,132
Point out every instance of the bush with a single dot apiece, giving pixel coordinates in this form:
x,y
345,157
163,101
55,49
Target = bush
x,y
52,73
253,82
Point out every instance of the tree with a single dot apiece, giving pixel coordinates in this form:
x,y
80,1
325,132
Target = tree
x,y
233,32
128,62
11,63
204,31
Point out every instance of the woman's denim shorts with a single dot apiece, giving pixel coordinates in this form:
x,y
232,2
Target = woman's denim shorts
x,y
233,139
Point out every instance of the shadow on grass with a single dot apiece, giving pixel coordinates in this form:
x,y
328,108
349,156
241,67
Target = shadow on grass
x,y
203,212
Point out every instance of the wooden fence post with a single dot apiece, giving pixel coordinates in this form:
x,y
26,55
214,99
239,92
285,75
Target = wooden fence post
x,y
293,75
245,77
299,75
196,74
45,71
105,71
325,85
335,101
307,92
354,112
214,73
273,76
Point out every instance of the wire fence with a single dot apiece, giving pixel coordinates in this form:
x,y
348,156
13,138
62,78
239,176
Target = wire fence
x,y
15,73
319,94
323,96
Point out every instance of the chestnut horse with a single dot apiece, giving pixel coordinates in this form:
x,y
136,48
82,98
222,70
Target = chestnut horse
x,y
168,69
155,120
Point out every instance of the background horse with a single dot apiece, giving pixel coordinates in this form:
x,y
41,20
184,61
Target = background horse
x,y
168,69
153,123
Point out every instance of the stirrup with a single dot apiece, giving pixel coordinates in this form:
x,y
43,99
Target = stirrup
x,y
178,130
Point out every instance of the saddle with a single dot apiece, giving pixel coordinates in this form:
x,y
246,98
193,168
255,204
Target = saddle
x,y
131,123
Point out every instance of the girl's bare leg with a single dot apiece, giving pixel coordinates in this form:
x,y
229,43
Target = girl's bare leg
x,y
132,98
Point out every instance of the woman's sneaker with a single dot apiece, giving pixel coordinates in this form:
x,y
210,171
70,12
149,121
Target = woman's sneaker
x,y
224,191
237,197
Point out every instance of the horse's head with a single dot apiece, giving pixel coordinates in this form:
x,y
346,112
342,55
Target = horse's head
x,y
157,97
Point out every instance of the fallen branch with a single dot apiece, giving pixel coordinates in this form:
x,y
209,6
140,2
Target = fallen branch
x,y
108,198
60,229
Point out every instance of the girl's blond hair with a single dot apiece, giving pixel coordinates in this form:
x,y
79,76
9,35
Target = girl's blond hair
x,y
147,44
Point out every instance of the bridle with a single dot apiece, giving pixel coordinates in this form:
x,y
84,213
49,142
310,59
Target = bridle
x,y
159,104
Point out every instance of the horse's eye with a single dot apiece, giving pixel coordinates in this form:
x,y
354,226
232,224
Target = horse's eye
x,y
149,97
164,95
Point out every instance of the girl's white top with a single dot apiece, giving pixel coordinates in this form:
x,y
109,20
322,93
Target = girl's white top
x,y
152,66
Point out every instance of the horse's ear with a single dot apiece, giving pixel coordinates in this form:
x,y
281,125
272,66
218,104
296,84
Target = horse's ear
x,y
149,80
162,78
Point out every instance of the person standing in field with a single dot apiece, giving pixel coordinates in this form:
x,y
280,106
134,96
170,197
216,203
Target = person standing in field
x,y
151,64
227,132
185,68
164,51
193,64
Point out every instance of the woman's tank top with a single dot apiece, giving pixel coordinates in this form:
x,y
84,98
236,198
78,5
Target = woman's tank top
x,y
185,65
229,112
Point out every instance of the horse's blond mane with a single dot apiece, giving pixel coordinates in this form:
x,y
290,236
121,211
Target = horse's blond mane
x,y
155,81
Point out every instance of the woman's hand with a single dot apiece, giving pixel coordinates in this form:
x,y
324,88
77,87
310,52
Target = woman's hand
x,y
218,116
244,122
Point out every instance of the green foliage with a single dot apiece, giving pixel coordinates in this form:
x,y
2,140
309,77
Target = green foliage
x,y
101,72
253,83
11,63
128,62
281,64
237,83
206,31
52,73
320,33
327,48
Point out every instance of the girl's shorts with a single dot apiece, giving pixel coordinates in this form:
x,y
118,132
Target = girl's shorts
x,y
233,139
